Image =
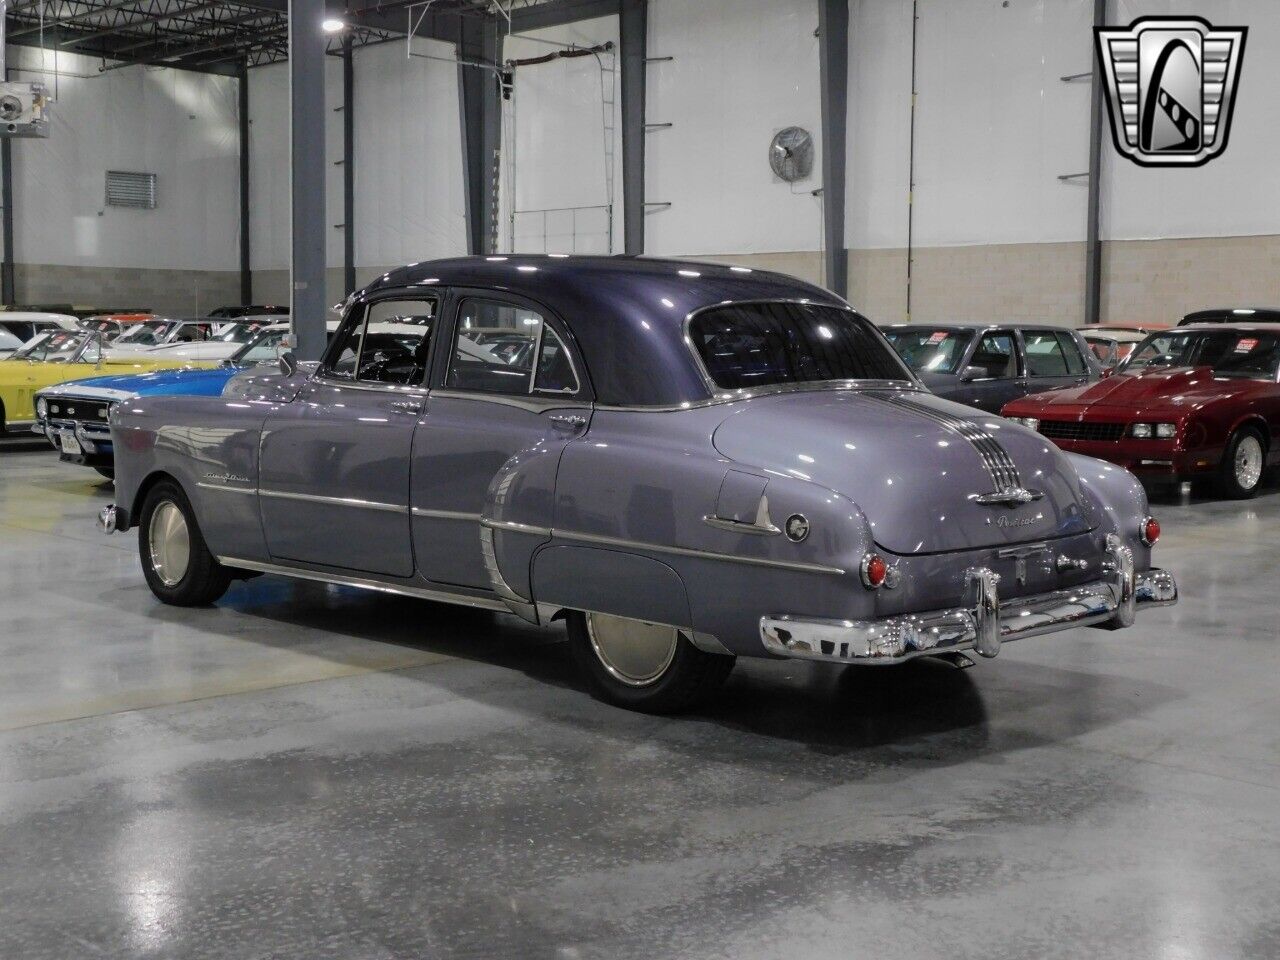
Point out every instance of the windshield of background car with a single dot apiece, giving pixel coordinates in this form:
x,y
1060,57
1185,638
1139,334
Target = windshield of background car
x,y
1231,353
757,344
149,333
263,350
930,351
56,347
238,332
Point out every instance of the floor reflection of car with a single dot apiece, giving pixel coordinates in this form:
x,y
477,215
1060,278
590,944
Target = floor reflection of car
x,y
1189,403
987,365
692,465
54,358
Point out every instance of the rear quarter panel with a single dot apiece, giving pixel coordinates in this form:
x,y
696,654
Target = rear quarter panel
x,y
209,445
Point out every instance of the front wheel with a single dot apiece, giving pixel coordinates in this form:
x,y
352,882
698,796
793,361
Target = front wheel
x,y
643,666
178,566
1242,468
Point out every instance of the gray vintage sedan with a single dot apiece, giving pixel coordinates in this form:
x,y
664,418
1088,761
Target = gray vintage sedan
x,y
687,462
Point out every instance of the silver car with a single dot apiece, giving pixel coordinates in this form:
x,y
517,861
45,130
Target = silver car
x,y
687,462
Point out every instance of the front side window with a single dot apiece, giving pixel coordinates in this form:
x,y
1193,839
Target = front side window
x,y
759,344
930,351
995,357
388,344
498,347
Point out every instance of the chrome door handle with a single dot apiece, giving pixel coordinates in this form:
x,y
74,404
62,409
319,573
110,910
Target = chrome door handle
x,y
407,406
570,420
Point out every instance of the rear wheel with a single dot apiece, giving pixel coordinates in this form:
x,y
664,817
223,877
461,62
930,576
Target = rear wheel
x,y
643,666
1243,465
178,566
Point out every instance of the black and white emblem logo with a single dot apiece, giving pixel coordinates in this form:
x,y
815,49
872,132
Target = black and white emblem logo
x,y
1171,86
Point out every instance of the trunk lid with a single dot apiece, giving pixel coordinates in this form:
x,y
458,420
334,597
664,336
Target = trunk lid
x,y
915,464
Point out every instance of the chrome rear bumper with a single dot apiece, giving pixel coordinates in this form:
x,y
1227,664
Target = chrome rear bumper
x,y
982,626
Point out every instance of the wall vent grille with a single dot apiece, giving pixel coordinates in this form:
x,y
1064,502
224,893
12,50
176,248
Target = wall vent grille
x,y
126,189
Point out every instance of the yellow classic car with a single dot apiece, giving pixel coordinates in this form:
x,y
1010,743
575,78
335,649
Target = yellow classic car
x,y
61,356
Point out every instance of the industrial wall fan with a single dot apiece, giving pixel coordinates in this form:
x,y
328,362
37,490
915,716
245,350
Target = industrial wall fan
x,y
791,154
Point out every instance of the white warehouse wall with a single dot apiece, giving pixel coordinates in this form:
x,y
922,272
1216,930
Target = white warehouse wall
x,y
410,202
181,257
994,232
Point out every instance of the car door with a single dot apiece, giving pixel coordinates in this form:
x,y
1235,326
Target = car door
x,y
510,382
1053,360
991,375
334,463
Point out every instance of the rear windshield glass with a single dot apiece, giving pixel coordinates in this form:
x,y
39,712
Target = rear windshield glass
x,y
930,351
1231,353
757,344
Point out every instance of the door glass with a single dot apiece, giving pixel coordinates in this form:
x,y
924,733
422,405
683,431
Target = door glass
x,y
1044,354
389,344
1071,354
494,346
995,357
555,366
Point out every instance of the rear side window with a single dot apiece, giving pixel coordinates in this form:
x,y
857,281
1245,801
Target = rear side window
x,y
1045,356
995,356
1071,354
757,344
500,347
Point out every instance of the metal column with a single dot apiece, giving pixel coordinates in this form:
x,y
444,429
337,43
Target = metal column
x,y
1092,245
7,294
479,42
633,31
348,168
246,268
307,166
833,58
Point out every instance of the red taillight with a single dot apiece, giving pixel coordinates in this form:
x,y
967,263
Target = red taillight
x,y
874,571
1150,531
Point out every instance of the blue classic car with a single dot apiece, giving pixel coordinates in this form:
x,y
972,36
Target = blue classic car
x,y
687,462
73,415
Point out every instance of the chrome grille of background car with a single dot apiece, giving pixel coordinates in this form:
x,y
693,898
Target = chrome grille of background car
x,y
1073,430
79,409
1003,471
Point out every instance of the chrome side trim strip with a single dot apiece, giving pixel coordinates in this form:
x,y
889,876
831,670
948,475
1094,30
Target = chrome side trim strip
x,y
516,527
223,488
444,514
701,554
424,593
335,501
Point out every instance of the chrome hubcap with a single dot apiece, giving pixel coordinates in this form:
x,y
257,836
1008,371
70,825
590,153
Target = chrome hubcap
x,y
634,652
170,543
1248,462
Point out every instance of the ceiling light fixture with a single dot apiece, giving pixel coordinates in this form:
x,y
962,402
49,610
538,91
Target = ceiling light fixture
x,y
333,25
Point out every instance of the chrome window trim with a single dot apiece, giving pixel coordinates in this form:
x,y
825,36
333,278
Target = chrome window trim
x,y
411,390
814,386
537,365
335,501
407,590
720,393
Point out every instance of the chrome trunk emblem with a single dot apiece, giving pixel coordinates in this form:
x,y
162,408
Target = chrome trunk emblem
x,y
1013,497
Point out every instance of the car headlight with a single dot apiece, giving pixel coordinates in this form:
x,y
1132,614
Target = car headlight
x,y
42,407
1161,431
1030,422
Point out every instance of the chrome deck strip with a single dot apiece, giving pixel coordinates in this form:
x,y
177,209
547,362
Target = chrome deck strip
x,y
364,583
999,465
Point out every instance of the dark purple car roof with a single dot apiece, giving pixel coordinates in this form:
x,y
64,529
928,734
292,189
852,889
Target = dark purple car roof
x,y
626,313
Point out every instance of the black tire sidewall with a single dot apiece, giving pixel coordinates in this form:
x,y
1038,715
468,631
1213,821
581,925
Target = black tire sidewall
x,y
205,579
691,676
1228,486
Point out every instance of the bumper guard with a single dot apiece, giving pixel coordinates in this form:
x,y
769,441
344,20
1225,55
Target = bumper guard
x,y
982,625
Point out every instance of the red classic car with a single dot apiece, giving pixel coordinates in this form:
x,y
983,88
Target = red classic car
x,y
1193,402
